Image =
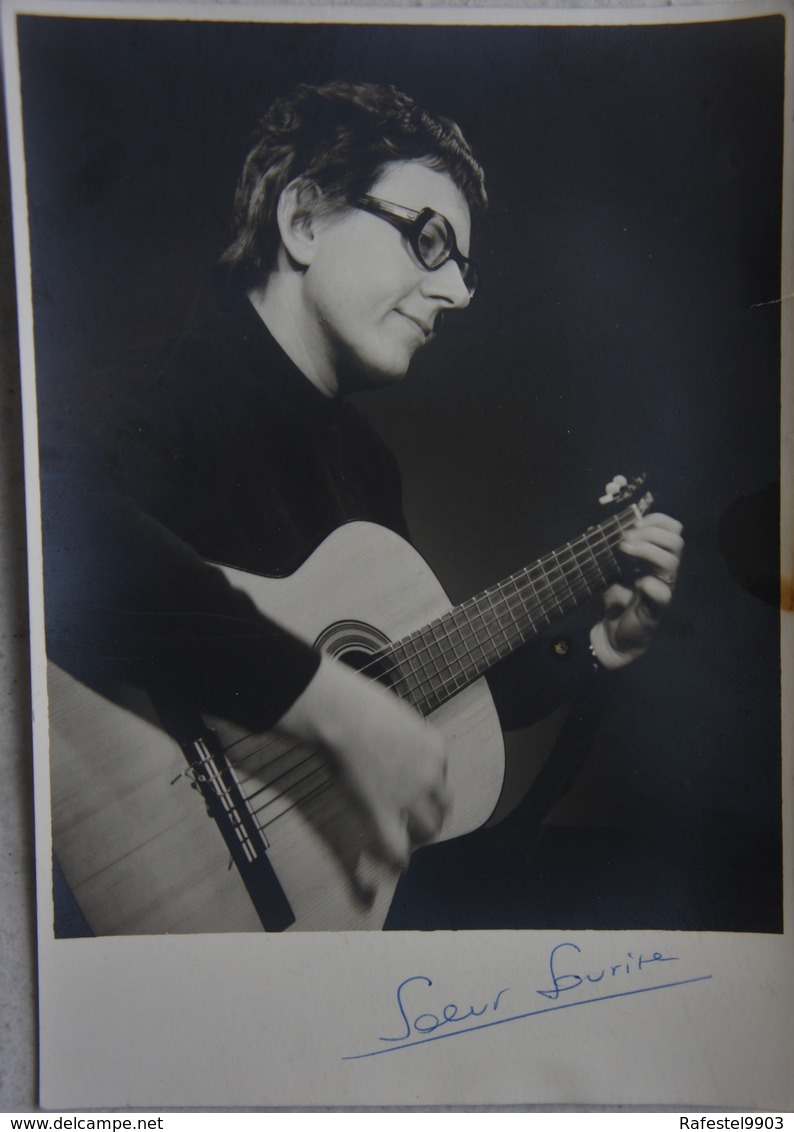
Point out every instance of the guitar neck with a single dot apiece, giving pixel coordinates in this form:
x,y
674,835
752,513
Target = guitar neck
x,y
452,652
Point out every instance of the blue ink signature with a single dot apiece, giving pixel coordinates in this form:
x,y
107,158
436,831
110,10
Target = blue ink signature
x,y
422,1025
628,966
429,1023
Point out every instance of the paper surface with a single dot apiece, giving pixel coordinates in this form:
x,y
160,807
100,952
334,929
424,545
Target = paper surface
x,y
631,949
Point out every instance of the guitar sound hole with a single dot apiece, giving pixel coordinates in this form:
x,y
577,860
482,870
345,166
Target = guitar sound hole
x,y
376,666
362,647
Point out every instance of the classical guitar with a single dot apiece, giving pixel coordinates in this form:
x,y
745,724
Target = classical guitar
x,y
228,831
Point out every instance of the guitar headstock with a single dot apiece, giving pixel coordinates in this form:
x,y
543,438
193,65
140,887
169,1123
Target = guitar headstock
x,y
620,490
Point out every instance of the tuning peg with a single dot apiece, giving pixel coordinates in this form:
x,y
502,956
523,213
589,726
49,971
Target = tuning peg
x,y
613,489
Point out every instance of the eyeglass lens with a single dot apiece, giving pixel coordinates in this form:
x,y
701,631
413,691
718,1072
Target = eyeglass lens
x,y
434,242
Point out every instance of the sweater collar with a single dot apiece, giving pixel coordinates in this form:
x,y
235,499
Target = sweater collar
x,y
259,356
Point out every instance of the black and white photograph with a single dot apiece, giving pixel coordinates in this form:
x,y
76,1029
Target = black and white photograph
x,y
404,402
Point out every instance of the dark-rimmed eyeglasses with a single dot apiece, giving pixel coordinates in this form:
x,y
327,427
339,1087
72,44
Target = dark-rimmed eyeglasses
x,y
431,236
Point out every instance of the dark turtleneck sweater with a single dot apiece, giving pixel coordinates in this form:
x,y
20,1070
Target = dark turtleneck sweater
x,y
215,448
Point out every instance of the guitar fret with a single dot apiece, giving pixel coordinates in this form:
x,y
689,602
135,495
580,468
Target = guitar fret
x,y
472,636
535,595
436,662
575,561
592,554
561,574
409,681
608,551
456,674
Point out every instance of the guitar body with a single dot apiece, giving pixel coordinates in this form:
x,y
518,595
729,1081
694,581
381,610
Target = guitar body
x,y
132,833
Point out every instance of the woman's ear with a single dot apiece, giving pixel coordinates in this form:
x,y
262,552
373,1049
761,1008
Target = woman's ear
x,y
297,213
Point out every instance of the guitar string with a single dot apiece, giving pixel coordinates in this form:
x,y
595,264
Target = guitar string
x,y
467,636
423,677
300,799
507,603
267,766
582,587
498,620
286,793
526,579
284,774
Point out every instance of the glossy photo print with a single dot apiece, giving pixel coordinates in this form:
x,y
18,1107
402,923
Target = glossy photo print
x,y
402,413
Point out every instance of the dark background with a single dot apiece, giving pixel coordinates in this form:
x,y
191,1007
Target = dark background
x,y
626,323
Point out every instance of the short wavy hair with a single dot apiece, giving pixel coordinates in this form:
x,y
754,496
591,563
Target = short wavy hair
x,y
338,138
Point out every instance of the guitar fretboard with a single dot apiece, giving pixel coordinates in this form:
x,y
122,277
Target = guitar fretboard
x,y
443,658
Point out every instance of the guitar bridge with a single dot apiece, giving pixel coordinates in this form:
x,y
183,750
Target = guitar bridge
x,y
245,840
205,772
